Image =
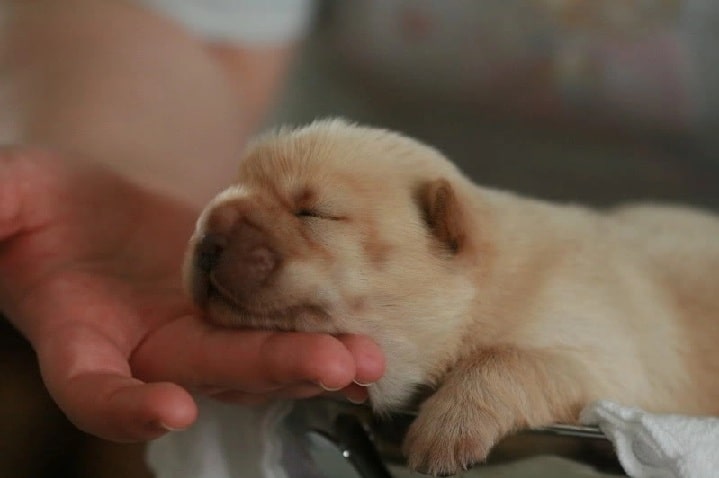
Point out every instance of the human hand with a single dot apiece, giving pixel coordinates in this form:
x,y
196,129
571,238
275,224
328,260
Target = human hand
x,y
89,273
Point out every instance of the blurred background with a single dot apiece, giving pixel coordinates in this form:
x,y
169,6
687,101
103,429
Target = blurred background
x,y
596,102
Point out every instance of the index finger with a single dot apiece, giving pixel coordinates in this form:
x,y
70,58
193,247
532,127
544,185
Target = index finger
x,y
194,354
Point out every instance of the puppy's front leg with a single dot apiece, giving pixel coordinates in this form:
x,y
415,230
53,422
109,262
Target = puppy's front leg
x,y
486,396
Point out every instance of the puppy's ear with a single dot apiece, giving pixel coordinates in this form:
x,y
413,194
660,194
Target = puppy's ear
x,y
442,212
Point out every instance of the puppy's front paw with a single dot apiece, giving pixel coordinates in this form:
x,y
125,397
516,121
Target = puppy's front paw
x,y
484,398
448,437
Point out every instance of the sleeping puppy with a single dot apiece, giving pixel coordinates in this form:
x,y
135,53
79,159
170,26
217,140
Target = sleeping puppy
x,y
516,312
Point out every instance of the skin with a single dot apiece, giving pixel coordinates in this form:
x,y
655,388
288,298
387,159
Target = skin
x,y
93,226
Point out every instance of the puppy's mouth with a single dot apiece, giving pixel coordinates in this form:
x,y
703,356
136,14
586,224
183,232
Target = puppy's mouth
x,y
224,309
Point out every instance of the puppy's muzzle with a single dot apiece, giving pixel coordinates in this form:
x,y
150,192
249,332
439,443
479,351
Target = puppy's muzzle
x,y
234,263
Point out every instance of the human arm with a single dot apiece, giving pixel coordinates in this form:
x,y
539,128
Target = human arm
x,y
144,127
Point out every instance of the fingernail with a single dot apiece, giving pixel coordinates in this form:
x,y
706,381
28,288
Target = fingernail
x,y
357,382
169,428
329,389
357,401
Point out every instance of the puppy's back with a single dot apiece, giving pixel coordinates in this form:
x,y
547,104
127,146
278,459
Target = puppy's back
x,y
679,247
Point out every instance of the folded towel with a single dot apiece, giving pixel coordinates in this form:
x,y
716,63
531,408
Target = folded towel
x,y
658,446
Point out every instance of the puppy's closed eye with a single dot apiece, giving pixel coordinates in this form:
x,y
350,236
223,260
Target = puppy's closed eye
x,y
305,212
305,203
310,213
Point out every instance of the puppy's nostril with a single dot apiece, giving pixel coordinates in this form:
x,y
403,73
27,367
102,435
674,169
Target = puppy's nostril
x,y
206,257
208,251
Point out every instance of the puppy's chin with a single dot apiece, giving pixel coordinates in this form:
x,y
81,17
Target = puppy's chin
x,y
294,318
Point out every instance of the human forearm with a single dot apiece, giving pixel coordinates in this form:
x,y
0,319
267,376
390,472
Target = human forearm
x,y
130,89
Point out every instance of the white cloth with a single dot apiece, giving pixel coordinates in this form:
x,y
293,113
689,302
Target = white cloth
x,y
227,441
247,22
658,446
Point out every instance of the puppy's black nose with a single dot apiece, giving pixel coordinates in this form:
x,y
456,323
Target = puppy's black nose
x,y
235,262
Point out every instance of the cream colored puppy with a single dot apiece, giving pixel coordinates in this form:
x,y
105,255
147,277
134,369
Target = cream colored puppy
x,y
517,312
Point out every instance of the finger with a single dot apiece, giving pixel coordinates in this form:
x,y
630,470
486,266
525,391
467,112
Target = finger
x,y
241,398
368,357
293,392
356,393
193,353
124,409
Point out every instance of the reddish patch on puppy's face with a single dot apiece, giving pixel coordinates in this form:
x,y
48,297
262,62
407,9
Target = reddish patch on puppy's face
x,y
305,198
377,250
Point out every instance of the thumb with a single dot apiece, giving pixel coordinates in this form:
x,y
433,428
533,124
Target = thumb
x,y
120,408
90,379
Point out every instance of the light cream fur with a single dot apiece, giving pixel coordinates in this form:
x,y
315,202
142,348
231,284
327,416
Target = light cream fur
x,y
518,312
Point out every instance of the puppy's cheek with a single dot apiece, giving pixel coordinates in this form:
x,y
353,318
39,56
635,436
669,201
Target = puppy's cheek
x,y
305,282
